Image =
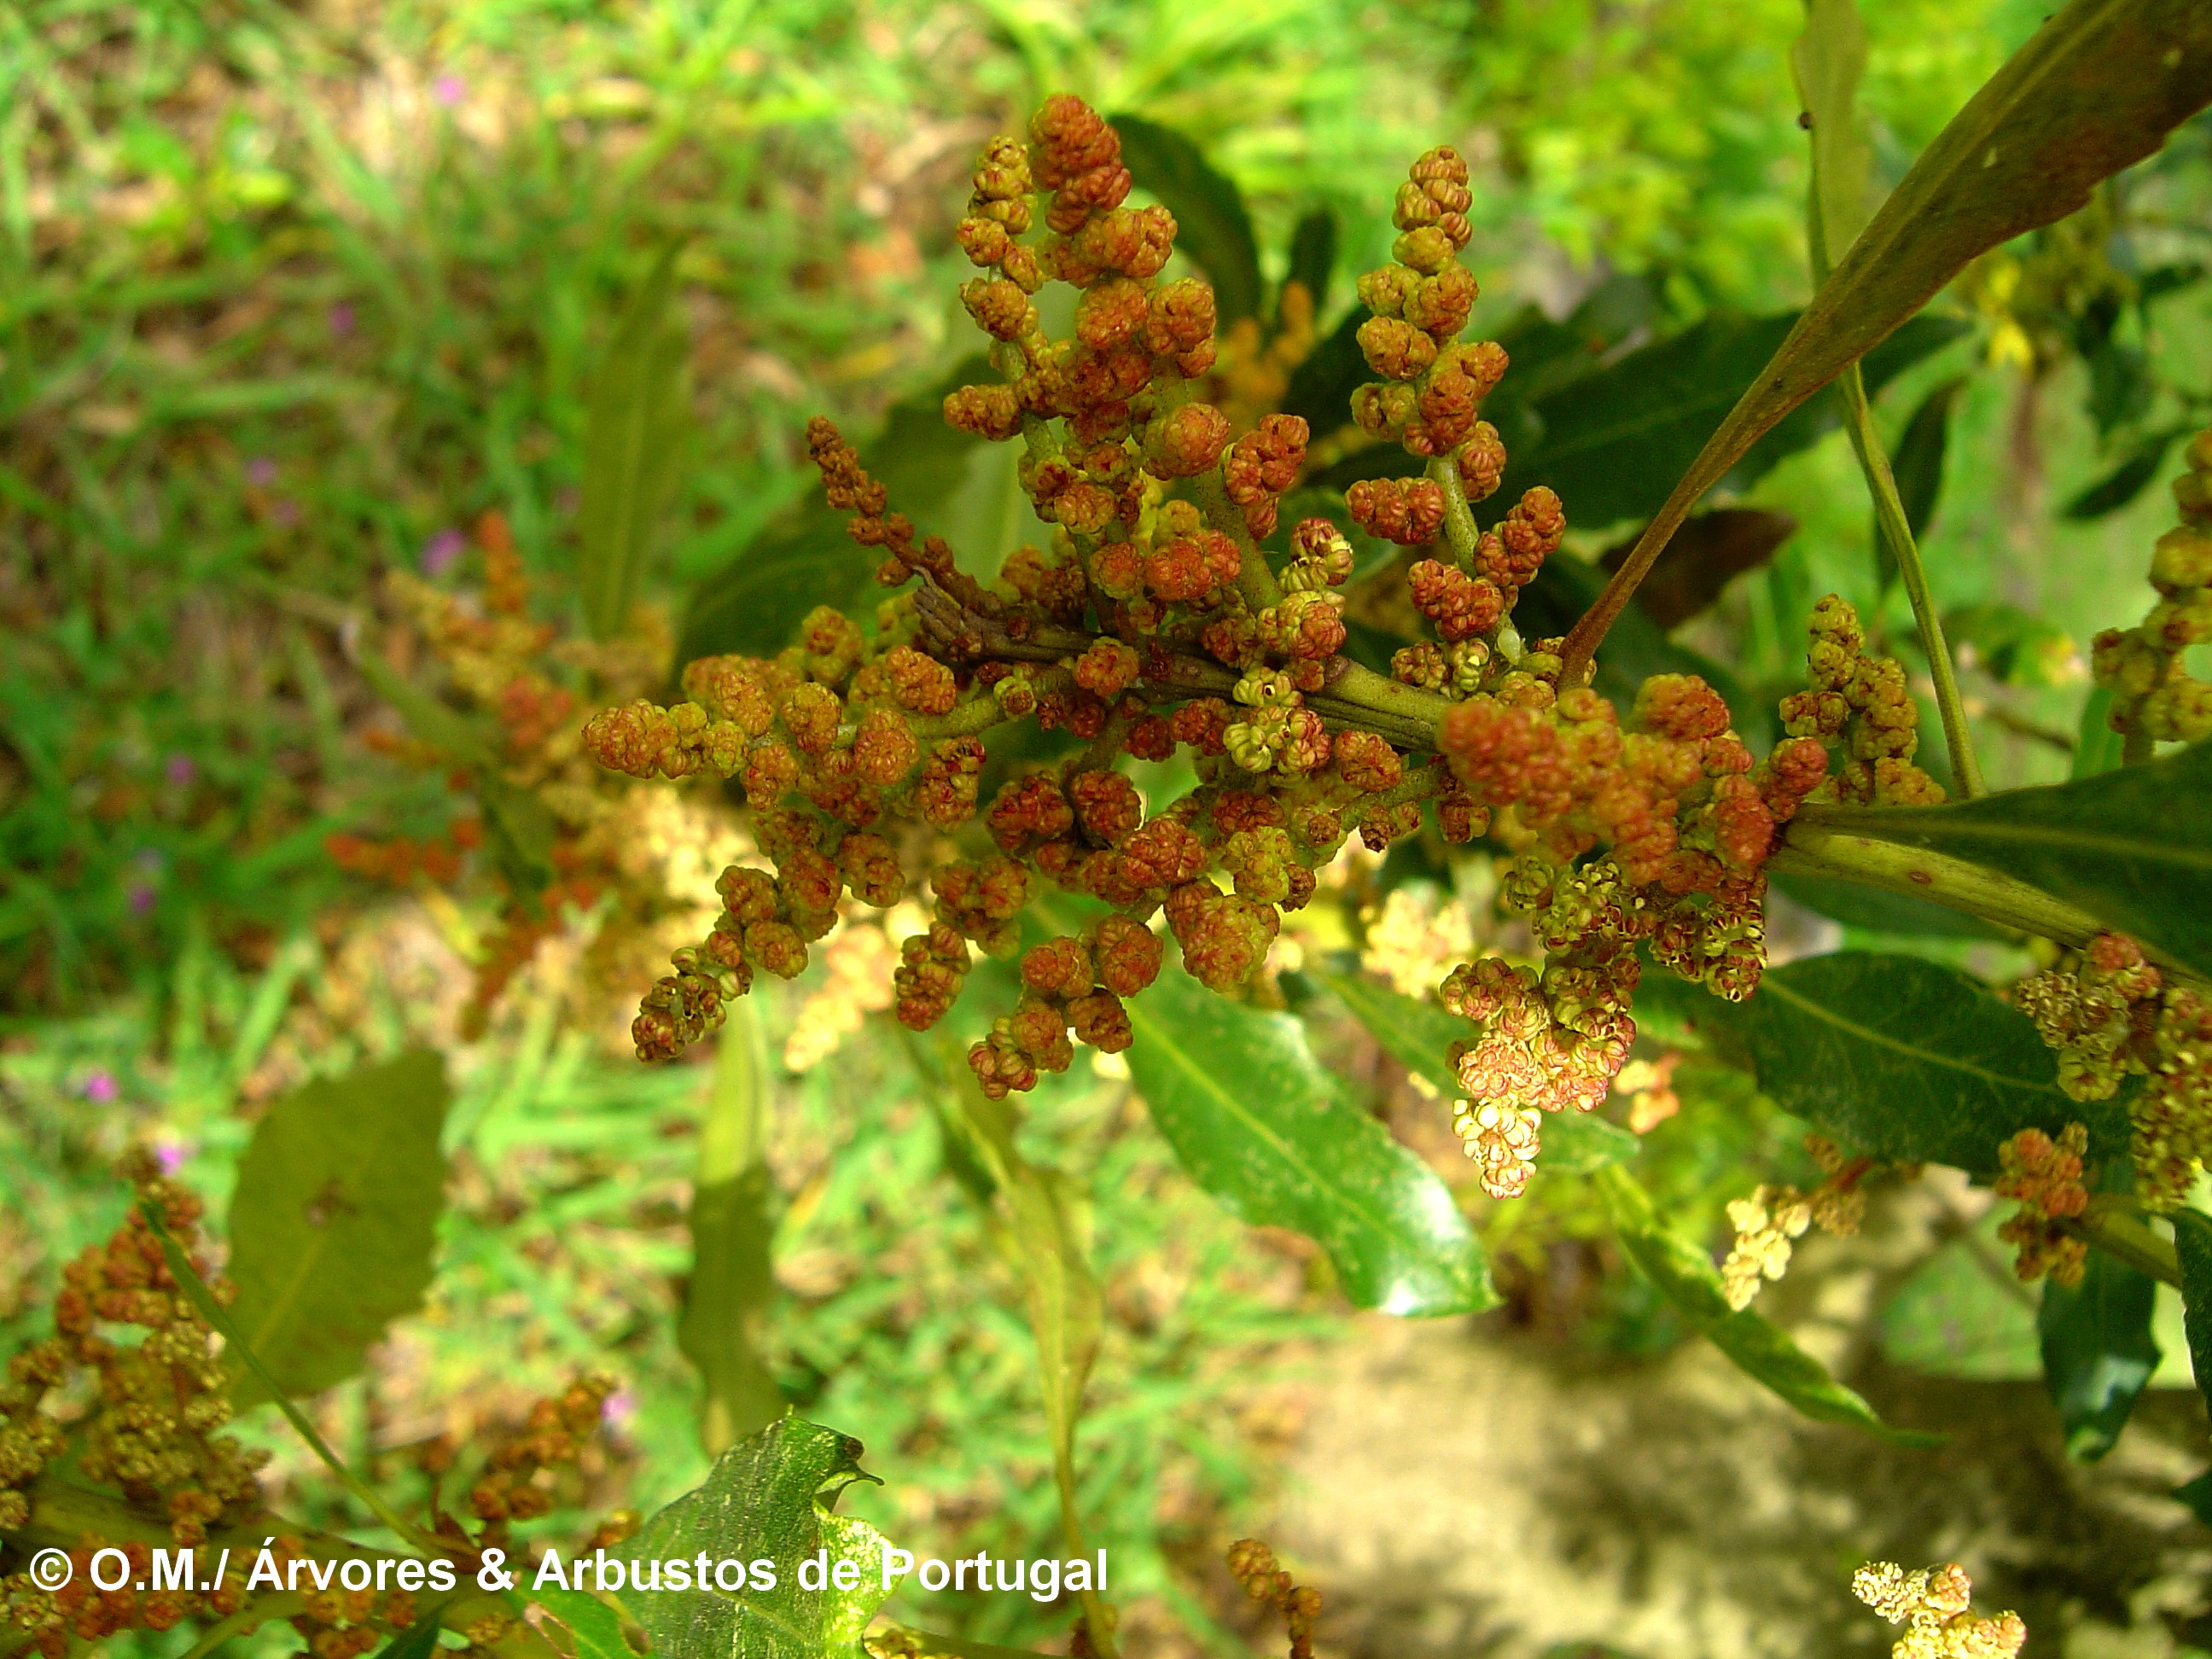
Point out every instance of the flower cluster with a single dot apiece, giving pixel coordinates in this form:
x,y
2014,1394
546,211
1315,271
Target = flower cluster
x,y
1936,1603
1768,1223
1862,704
1252,1565
2045,1175
2155,698
1156,621
2109,1013
152,1430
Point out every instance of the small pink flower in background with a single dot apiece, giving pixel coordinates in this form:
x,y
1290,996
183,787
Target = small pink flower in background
x,y
342,319
449,89
441,550
179,770
170,1153
261,472
620,1407
99,1088
141,899
286,513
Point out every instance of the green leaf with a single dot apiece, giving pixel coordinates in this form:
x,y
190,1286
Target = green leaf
x,y
2192,1244
2097,747
1313,258
2133,848
1909,1060
1686,1275
335,1220
1260,1125
1211,226
2127,478
1916,465
594,1623
1419,1036
1066,1313
1708,553
2098,1352
2096,87
1828,60
1321,388
768,1498
1616,439
1963,1314
754,604
418,1641
634,438
726,1301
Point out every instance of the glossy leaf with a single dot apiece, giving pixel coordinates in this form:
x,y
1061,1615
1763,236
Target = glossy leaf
x,y
770,1495
1258,1123
1419,1036
1908,1060
1708,553
2133,848
634,437
727,1299
1616,439
334,1223
2098,86
1212,226
1686,1275
2098,1352
2192,1245
754,604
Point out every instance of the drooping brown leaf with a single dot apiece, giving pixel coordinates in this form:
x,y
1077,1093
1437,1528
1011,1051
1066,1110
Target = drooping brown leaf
x,y
2096,88
1707,552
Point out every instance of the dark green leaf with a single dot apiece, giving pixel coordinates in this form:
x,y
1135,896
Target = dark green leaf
x,y
1880,911
1686,1275
2198,1495
1211,226
767,1497
1711,550
1313,258
2127,480
1615,439
755,603
726,1301
634,437
335,1220
2098,1352
2121,385
1258,1123
1828,60
418,1641
1916,465
2132,848
1419,1036
2096,87
1319,392
1909,1060
2192,1244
